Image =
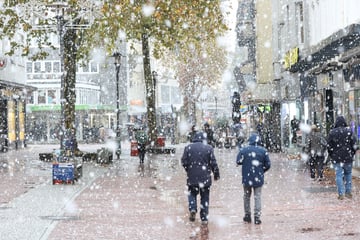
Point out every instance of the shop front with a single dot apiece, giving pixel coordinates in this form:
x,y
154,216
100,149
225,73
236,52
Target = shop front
x,y
13,98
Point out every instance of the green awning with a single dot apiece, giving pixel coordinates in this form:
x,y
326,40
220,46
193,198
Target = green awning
x,y
82,107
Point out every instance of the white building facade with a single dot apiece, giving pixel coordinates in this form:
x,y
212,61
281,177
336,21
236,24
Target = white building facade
x,y
14,95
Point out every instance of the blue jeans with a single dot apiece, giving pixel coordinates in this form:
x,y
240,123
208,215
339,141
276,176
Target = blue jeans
x,y
204,200
343,177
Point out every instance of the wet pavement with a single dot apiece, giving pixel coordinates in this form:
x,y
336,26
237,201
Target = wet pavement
x,y
126,201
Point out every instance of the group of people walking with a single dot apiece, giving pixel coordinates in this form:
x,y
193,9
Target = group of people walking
x,y
341,147
200,164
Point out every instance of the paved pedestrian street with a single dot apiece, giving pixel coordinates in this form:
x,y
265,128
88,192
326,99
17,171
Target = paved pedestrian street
x,y
126,201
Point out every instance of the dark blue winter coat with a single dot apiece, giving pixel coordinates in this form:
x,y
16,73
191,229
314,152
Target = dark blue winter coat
x,y
255,162
199,161
341,142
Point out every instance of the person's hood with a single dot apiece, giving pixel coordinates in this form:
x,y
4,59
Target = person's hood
x,y
255,139
340,122
199,137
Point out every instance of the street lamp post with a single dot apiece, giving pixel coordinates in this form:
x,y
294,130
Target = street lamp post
x,y
60,7
117,56
216,110
154,78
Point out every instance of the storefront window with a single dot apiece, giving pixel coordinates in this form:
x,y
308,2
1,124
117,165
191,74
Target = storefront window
x,y
51,97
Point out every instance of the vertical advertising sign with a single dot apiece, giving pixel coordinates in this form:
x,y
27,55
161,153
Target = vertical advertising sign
x,y
21,120
11,121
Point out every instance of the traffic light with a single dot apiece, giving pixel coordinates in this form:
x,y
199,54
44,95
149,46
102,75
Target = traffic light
x,y
236,103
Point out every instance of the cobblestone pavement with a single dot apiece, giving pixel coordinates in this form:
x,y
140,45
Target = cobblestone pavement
x,y
131,202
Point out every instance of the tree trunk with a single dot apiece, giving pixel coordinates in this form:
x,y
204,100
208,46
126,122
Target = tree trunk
x,y
70,77
150,89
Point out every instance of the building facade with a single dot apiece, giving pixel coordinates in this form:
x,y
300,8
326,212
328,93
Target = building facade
x,y
14,96
254,73
96,98
317,61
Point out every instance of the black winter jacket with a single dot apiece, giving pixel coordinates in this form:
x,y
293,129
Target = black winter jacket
x,y
199,161
341,143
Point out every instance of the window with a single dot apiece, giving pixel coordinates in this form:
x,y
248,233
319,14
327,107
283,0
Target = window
x,y
176,95
165,94
94,67
37,67
300,22
41,97
85,68
51,97
48,67
56,67
29,67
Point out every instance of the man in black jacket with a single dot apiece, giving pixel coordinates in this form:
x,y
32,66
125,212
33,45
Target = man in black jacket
x,y
199,162
341,146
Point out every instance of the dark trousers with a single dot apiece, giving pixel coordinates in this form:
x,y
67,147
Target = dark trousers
x,y
204,200
142,151
294,136
316,166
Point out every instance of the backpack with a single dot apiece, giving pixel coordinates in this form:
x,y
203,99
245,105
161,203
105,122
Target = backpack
x,y
141,137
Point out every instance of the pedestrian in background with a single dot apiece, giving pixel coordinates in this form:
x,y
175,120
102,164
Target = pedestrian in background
x,y
255,162
199,162
209,135
294,128
142,141
341,148
316,148
192,133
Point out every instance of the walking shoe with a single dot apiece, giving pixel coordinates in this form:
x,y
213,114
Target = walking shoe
x,y
341,197
204,222
192,216
257,220
247,218
348,195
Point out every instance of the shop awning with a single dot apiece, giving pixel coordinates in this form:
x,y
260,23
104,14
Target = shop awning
x,y
12,85
336,44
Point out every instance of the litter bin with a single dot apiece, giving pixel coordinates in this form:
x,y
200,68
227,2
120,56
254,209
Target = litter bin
x,y
63,173
134,148
160,142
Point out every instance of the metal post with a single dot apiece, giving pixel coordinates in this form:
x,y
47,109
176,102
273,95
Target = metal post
x,y
60,25
60,20
60,7
216,112
155,76
117,63
117,66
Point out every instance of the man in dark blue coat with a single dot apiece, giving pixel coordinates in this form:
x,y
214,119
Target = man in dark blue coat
x,y
199,162
255,162
341,148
